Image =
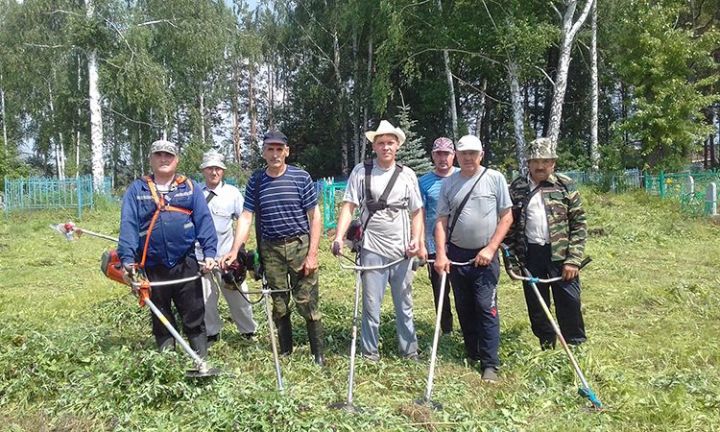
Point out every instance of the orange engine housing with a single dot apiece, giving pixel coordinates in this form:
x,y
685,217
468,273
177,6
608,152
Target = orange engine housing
x,y
111,266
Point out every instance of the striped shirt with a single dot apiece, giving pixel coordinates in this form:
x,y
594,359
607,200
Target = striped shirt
x,y
284,203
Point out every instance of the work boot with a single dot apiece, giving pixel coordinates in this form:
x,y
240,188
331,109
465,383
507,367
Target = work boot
x,y
284,330
315,335
199,343
166,343
548,344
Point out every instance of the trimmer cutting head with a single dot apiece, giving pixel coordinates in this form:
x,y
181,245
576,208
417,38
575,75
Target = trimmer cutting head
x,y
203,373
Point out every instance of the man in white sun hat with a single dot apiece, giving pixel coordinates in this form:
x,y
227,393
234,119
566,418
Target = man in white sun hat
x,y
473,217
226,204
391,213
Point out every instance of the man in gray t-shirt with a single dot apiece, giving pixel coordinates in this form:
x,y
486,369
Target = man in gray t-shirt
x,y
475,235
390,233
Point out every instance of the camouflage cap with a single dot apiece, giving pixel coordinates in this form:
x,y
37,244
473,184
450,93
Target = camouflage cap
x,y
163,146
541,148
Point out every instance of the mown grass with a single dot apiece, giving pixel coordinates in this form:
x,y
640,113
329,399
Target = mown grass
x,y
76,352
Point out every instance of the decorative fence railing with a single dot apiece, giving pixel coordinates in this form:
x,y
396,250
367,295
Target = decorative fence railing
x,y
37,193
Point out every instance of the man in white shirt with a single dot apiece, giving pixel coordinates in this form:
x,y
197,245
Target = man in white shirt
x,y
225,203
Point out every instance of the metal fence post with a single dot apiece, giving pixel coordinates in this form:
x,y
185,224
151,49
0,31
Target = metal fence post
x,y
711,200
661,184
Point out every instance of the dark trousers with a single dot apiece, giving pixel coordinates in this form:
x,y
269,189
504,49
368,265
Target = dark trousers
x,y
565,293
475,291
446,318
187,297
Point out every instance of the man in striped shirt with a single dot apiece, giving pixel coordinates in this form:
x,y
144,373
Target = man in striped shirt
x,y
283,200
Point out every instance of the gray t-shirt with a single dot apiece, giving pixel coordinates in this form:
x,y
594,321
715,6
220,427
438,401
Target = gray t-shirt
x,y
478,219
388,233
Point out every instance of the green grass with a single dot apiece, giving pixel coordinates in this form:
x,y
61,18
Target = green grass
x,y
76,352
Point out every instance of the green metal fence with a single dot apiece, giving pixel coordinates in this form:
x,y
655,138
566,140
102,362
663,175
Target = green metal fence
x,y
37,193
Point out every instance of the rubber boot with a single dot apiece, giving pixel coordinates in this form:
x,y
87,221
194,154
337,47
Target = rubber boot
x,y
284,329
165,343
199,343
548,344
315,335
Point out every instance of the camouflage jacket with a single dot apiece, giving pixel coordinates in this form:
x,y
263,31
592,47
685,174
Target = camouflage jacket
x,y
565,214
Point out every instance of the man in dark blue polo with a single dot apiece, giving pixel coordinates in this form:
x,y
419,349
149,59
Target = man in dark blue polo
x,y
162,216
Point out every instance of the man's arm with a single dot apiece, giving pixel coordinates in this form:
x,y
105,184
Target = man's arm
x,y
417,230
346,213
242,232
486,254
311,260
129,237
204,227
442,264
577,234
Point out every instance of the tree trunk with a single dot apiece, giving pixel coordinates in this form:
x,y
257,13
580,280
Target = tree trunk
x,y
518,117
342,103
355,127
594,147
201,101
452,106
96,130
368,99
3,114
480,115
570,29
57,143
251,106
235,107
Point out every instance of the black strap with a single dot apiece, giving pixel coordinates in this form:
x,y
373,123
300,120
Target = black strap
x,y
456,215
381,203
257,177
210,196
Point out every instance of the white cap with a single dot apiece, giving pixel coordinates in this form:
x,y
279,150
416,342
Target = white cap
x,y
469,143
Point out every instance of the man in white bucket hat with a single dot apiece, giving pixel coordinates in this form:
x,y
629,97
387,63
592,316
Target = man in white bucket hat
x,y
391,213
225,203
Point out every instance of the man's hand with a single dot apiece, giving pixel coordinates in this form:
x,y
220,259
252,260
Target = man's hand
x,y
337,246
485,256
227,259
570,272
422,255
442,264
310,265
129,272
413,248
207,265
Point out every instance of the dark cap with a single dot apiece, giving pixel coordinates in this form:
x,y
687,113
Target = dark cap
x,y
275,137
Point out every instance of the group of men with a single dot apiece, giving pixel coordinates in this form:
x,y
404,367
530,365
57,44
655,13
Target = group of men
x,y
455,217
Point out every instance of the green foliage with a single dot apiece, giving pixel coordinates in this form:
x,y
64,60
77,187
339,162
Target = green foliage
x,y
77,351
412,153
669,71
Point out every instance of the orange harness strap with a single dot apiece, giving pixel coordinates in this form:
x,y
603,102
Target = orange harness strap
x,y
161,206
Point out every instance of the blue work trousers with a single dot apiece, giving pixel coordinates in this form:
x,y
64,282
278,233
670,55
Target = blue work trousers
x,y
475,292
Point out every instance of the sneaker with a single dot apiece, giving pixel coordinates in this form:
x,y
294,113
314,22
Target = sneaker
x,y
248,336
489,375
374,358
414,357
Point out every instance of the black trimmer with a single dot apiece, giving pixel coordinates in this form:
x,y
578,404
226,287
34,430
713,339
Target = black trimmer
x,y
585,390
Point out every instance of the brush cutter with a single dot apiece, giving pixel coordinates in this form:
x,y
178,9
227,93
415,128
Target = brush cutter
x,y
425,399
348,405
70,230
111,267
585,390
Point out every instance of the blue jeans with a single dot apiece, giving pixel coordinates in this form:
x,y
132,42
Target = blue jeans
x,y
475,291
374,283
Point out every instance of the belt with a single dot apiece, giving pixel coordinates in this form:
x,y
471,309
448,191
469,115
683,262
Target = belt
x,y
286,240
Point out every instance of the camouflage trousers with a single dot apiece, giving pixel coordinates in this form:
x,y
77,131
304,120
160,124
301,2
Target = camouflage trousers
x,y
283,261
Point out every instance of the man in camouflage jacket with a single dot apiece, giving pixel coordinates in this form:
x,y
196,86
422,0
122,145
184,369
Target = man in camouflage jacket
x,y
548,238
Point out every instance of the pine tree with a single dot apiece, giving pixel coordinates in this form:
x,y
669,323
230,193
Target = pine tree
x,y
411,153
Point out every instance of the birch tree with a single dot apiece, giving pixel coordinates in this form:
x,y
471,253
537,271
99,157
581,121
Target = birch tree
x,y
570,27
595,91
94,98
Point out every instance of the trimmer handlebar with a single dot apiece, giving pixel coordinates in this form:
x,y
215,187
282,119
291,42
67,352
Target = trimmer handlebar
x,y
508,257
